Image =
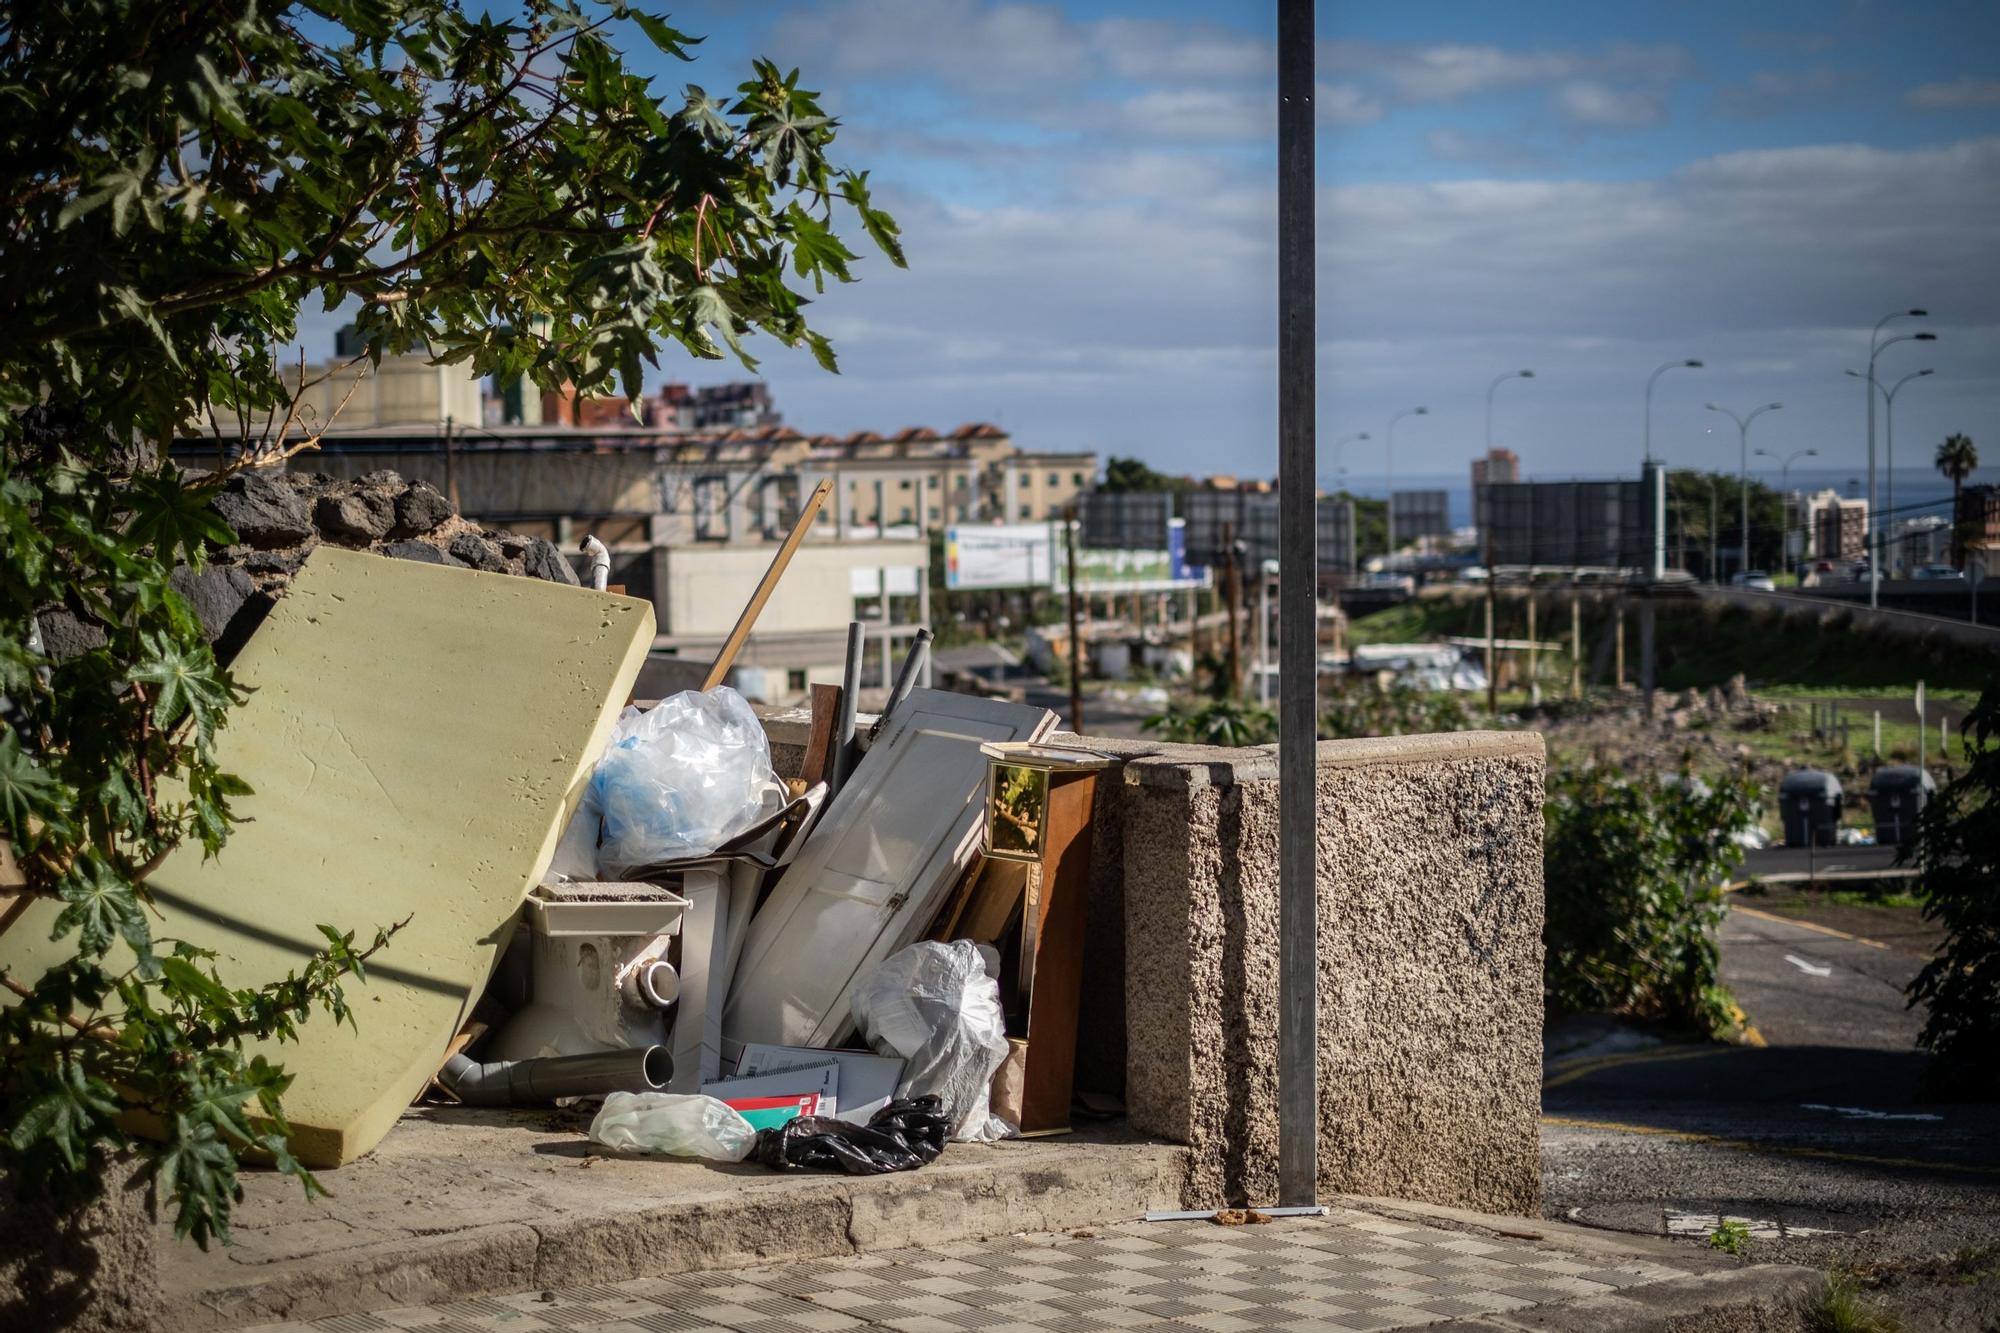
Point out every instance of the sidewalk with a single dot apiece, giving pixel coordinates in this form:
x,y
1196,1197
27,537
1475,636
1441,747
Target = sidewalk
x,y
1368,1265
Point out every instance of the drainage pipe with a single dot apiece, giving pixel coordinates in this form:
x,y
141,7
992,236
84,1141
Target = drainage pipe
x,y
850,690
906,679
527,1082
600,562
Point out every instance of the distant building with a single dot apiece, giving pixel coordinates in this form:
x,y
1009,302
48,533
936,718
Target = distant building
x,y
403,391
711,407
1916,542
1979,526
1499,467
1837,527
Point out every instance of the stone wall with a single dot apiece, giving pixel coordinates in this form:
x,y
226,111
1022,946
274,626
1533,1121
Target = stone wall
x,y
280,517
1430,1001
1430,995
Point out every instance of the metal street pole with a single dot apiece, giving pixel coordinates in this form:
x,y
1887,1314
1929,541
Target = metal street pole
x,y
1298,623
1659,516
1876,345
1743,473
1689,364
1785,493
1889,435
1389,479
1339,471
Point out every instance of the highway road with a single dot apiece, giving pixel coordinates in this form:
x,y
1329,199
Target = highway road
x,y
1817,860
1816,1136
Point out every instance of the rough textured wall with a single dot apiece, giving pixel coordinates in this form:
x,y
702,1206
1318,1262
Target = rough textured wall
x,y
89,1267
1430,966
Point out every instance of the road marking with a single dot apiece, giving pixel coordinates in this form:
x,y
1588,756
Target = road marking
x,y
1571,1072
1806,925
1863,1113
1810,969
1777,1149
1682,1223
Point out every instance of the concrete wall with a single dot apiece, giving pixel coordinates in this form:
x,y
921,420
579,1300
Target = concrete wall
x,y
1430,1001
1430,995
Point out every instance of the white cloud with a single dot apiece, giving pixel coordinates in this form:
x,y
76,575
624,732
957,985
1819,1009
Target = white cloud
x,y
1957,95
1344,105
1454,71
1592,103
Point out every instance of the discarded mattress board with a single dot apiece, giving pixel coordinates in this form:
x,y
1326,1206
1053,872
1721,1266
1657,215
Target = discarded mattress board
x,y
417,737
867,1082
871,874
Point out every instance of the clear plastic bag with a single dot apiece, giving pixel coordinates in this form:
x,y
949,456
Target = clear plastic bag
x,y
674,1124
938,1007
681,779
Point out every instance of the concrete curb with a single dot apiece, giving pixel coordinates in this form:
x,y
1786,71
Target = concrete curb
x,y
748,1221
1764,1298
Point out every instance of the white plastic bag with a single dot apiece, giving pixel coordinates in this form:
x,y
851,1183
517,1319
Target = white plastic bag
x,y
674,1124
681,779
938,1007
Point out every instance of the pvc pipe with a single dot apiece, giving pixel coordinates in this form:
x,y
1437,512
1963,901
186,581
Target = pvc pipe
x,y
906,679
527,1082
850,688
600,562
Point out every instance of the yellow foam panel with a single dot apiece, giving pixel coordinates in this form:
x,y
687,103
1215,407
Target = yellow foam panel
x,y
417,737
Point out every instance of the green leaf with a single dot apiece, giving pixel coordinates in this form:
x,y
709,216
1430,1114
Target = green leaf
x,y
881,228
665,38
174,519
186,681
27,791
816,251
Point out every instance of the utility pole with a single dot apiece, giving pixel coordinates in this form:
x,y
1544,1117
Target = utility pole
x,y
1618,644
1534,659
1075,629
1492,661
1575,648
1298,618
450,464
1232,577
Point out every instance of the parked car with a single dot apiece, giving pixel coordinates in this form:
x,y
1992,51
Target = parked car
x,y
1754,578
1945,572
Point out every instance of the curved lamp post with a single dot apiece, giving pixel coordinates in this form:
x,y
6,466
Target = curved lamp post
x,y
1876,345
1338,469
1389,478
1785,485
1743,469
1689,364
1889,433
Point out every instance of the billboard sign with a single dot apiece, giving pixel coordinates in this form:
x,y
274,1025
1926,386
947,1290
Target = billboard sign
x,y
1034,555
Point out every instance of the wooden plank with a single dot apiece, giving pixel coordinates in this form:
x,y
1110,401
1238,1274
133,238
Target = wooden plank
x,y
734,643
819,744
1057,967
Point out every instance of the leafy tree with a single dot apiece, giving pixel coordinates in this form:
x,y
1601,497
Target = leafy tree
x,y
503,192
1357,708
1134,476
1957,458
1633,874
1958,851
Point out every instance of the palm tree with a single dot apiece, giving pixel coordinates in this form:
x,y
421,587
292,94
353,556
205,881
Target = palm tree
x,y
1956,458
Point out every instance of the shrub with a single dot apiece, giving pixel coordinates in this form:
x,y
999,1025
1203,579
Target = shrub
x,y
1958,852
1634,873
1354,708
1232,722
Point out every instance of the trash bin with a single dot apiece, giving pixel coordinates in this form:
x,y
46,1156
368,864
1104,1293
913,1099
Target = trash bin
x,y
1810,800
1897,795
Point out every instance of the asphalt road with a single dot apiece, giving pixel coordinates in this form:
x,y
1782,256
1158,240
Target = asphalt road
x,y
1816,1138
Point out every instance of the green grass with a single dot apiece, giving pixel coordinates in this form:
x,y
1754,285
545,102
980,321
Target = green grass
x,y
1838,1307
1804,904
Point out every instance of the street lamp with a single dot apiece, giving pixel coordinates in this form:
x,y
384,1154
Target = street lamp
x,y
1889,434
1479,519
1689,364
1743,470
1785,487
1390,478
1876,344
1338,470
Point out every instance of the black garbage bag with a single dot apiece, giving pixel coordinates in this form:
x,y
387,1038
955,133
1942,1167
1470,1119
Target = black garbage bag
x,y
902,1136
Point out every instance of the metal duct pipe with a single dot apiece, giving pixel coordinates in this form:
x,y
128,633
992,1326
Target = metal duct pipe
x,y
529,1082
906,679
850,689
600,562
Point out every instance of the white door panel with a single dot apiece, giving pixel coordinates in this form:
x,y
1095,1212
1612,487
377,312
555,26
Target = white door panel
x,y
870,875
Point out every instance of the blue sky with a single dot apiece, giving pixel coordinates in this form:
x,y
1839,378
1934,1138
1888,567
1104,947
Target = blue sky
x,y
1585,189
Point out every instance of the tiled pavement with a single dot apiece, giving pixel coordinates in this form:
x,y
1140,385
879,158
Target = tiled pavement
x,y
1350,1271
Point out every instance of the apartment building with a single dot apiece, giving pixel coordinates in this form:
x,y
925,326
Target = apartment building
x,y
1836,527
